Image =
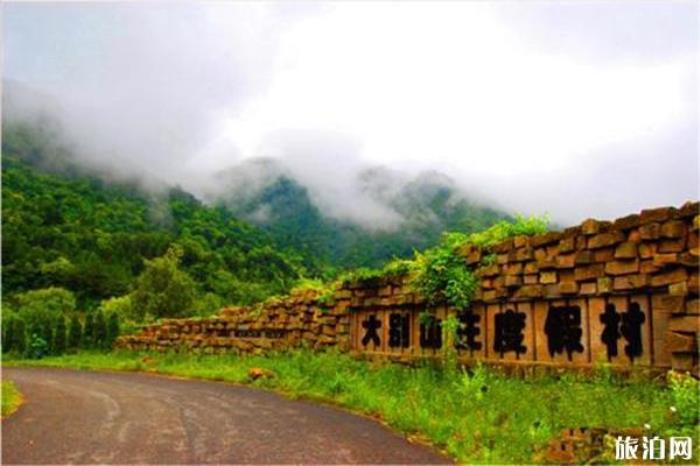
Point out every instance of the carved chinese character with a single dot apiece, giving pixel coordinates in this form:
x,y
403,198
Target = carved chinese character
x,y
627,325
468,331
508,332
611,333
563,329
431,332
631,329
371,324
399,330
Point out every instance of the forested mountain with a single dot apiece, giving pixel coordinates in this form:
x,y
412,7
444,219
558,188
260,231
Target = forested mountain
x,y
78,232
426,207
67,226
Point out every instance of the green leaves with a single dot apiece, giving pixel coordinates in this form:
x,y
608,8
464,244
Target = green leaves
x,y
442,276
441,273
39,306
528,226
65,229
163,290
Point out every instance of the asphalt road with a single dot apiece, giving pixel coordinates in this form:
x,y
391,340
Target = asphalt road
x,y
74,417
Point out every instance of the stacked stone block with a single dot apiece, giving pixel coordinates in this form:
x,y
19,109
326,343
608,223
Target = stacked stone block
x,y
277,324
654,253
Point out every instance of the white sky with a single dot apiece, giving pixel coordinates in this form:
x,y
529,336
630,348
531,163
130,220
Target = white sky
x,y
576,108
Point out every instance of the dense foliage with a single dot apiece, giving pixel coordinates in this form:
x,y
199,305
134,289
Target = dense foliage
x,y
38,325
143,256
441,274
95,239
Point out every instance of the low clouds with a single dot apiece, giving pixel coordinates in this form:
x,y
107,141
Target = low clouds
x,y
576,108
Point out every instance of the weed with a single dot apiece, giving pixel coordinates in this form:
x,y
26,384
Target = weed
x,y
11,397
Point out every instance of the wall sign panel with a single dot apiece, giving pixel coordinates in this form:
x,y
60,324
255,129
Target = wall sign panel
x,y
567,332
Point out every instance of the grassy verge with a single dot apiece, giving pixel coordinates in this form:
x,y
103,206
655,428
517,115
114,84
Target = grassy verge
x,y
478,417
11,397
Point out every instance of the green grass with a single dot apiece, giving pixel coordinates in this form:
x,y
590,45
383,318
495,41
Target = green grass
x,y
11,397
479,417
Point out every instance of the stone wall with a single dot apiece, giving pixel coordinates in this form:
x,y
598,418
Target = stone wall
x,y
276,324
623,292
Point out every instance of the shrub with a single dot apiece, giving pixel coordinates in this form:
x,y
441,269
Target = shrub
x,y
100,330
75,333
47,334
112,329
59,341
38,347
7,334
19,336
89,332
441,274
121,305
40,306
444,277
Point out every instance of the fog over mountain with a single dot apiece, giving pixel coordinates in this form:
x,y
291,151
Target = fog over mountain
x,y
579,109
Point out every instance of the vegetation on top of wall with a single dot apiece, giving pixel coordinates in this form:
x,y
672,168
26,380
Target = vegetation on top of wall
x,y
501,231
393,268
440,274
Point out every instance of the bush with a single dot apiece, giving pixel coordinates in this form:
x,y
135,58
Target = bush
x,y
75,333
100,330
38,347
59,340
441,274
112,329
40,306
89,332
47,334
121,305
19,336
7,334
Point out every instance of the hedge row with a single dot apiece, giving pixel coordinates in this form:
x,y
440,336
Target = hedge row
x,y
54,336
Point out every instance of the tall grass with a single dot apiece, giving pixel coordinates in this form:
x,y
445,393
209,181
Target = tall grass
x,y
480,416
11,397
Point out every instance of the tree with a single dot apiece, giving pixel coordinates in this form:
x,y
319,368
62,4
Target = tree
x,y
89,332
100,330
112,329
19,336
47,334
120,305
163,290
59,340
44,305
75,333
8,334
